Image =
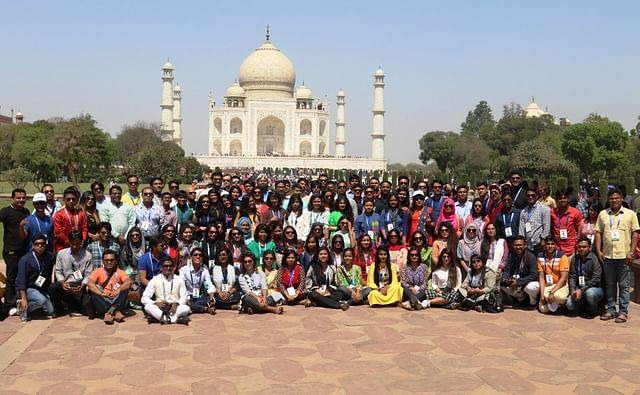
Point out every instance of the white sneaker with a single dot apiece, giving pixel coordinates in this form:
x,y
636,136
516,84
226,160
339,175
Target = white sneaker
x,y
425,304
13,311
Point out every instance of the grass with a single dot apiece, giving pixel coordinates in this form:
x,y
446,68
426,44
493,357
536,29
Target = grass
x,y
5,187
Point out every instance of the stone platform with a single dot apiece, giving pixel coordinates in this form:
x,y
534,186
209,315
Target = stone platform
x,y
320,351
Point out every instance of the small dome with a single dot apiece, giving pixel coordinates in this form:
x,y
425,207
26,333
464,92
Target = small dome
x,y
19,114
267,71
379,72
534,110
303,92
341,93
235,90
168,65
177,88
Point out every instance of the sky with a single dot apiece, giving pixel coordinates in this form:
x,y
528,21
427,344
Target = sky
x,y
440,59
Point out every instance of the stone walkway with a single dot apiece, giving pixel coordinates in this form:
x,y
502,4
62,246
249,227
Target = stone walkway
x,y
320,351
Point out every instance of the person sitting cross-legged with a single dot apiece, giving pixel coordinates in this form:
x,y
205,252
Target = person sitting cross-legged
x,y
165,297
109,288
199,286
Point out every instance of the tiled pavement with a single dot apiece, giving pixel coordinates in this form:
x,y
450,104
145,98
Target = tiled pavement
x,y
309,351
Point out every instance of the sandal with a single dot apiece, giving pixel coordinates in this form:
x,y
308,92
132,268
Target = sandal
x,y
607,316
622,318
280,310
212,310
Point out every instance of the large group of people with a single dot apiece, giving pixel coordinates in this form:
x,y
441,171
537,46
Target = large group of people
x,y
257,246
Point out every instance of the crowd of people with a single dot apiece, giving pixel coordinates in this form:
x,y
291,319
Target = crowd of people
x,y
259,245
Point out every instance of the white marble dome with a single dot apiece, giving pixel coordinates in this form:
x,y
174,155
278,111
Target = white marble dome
x,y
235,90
267,72
303,92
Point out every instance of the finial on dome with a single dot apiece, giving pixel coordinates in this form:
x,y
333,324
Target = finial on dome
x,y
268,35
533,99
210,93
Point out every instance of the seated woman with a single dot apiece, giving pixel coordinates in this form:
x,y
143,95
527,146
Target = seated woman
x,y
445,281
290,280
414,278
186,243
350,279
270,269
311,246
383,281
253,283
322,282
419,240
478,284
200,289
225,279
337,247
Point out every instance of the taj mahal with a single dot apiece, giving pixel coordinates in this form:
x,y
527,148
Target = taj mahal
x,y
265,121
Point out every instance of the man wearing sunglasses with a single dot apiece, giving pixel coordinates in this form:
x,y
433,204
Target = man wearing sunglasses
x,y
52,204
165,297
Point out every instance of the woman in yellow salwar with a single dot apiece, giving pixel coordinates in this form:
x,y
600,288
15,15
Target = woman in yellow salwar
x,y
383,281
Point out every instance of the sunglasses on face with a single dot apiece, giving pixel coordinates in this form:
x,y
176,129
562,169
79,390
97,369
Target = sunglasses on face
x,y
48,191
414,254
267,258
197,254
147,194
167,266
418,239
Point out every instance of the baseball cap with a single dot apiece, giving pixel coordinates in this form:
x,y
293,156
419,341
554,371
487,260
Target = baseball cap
x,y
39,197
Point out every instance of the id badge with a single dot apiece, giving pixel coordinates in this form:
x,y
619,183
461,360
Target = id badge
x,y
548,279
351,286
211,263
116,286
195,293
145,226
527,226
40,281
581,281
291,291
389,227
591,238
323,288
563,234
225,287
257,292
516,276
417,288
77,275
371,234
615,235
507,232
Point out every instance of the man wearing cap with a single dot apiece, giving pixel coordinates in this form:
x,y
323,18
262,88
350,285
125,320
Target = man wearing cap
x,y
37,223
165,297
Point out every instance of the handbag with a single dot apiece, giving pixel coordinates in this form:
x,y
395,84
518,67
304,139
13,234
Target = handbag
x,y
494,302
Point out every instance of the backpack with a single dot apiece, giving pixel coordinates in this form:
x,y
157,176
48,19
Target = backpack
x,y
494,302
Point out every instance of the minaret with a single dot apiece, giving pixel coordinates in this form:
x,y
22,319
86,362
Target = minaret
x,y
340,138
166,125
177,115
377,135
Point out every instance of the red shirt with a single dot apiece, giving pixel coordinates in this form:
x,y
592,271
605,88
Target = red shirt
x,y
64,222
570,220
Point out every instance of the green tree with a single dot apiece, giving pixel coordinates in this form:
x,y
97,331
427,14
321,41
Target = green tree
x,y
165,160
17,177
478,121
595,146
135,138
7,138
34,152
438,146
82,147
636,130
537,158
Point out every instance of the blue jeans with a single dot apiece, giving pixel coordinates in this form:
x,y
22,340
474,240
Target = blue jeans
x,y
37,300
589,301
617,280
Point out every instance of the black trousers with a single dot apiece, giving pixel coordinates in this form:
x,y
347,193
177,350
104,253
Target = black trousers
x,y
11,259
73,302
332,301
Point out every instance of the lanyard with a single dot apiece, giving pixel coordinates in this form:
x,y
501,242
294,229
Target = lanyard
x,y
153,262
530,213
69,218
581,267
164,291
351,278
199,279
224,275
504,219
515,199
555,256
276,213
566,224
413,280
38,262
611,222
291,274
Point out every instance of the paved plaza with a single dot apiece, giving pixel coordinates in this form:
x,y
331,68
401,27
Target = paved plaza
x,y
321,351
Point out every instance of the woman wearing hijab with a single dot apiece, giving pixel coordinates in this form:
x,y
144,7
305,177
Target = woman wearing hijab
x,y
448,214
244,225
469,245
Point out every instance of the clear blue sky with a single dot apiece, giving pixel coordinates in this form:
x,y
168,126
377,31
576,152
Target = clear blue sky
x,y
441,58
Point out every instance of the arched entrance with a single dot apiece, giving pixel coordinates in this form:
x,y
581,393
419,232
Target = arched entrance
x,y
270,136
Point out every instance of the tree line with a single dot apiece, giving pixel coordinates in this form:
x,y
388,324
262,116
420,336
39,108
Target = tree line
x,y
78,150
485,149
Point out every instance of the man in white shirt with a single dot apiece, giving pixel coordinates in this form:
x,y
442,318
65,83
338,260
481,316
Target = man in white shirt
x,y
165,297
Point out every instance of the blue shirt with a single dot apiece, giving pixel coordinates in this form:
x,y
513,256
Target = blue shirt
x,y
37,225
30,267
150,264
